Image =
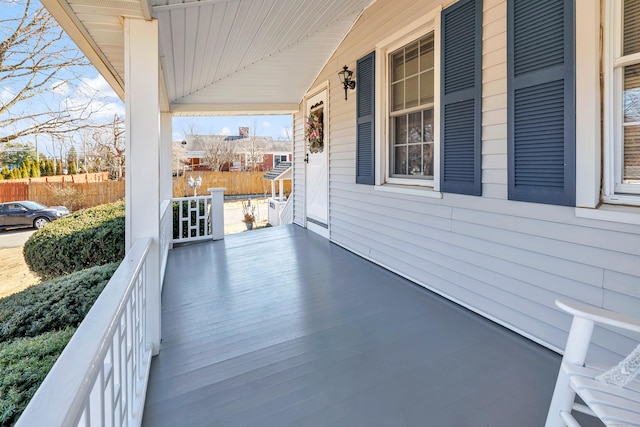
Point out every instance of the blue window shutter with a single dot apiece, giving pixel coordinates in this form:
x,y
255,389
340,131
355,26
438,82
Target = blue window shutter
x,y
365,114
541,101
461,98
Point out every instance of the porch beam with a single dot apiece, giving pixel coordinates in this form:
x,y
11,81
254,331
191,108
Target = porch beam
x,y
232,109
143,144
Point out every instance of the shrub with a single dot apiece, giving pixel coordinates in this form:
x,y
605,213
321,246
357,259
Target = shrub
x,y
24,363
86,238
52,305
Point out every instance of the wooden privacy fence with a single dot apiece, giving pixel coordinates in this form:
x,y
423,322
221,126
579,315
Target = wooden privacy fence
x,y
72,195
11,191
236,183
82,192
76,195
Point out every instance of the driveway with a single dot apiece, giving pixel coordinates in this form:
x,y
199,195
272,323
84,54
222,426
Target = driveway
x,y
14,238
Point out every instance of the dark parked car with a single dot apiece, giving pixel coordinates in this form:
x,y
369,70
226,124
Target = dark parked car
x,y
29,214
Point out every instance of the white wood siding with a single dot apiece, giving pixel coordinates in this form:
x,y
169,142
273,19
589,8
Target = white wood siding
x,y
506,260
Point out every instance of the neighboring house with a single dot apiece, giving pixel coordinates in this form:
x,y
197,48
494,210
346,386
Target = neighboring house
x,y
488,151
244,148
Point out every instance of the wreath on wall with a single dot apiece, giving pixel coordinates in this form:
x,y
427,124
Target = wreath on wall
x,y
313,130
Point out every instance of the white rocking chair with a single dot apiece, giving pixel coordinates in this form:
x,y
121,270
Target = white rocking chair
x,y
614,405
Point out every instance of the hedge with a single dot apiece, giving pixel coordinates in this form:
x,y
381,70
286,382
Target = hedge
x,y
54,304
24,363
86,238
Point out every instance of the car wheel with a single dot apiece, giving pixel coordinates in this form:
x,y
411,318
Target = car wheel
x,y
40,222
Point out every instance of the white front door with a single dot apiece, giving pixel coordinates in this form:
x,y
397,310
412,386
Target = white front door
x,y
317,180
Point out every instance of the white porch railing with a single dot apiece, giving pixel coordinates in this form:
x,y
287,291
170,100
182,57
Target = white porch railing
x,y
199,217
100,379
286,215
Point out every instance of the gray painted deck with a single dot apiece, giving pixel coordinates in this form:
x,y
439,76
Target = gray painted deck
x,y
279,327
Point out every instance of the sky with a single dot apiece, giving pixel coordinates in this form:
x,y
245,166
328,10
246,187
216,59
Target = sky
x,y
277,127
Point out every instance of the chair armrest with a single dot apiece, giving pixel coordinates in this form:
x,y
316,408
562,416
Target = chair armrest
x,y
600,315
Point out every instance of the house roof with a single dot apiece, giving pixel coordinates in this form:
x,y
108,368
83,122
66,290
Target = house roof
x,y
196,144
218,56
282,171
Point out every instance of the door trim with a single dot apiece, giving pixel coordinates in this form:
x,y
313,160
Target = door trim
x,y
310,223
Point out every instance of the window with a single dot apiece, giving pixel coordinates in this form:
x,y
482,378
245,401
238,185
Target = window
x,y
419,81
622,156
277,159
411,122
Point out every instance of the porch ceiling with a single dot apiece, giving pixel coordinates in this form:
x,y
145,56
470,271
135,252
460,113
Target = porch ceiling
x,y
218,56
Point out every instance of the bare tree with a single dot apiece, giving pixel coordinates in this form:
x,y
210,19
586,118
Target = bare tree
x,y
178,157
287,134
217,151
254,152
36,61
109,145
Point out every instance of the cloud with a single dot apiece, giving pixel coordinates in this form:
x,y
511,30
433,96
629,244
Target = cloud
x,y
225,131
60,88
266,124
6,95
97,86
96,94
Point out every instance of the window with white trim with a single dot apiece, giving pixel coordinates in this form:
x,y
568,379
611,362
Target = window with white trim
x,y
411,110
622,141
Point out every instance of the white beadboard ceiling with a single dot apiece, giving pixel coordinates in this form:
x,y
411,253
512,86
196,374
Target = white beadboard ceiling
x,y
218,56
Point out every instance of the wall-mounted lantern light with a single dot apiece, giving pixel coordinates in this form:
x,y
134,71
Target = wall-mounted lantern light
x,y
346,79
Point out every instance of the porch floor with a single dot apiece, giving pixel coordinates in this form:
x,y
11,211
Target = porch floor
x,y
279,327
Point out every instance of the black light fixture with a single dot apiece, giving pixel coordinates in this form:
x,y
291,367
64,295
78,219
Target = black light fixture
x,y
345,77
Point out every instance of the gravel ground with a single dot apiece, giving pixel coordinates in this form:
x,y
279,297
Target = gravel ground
x,y
14,273
233,215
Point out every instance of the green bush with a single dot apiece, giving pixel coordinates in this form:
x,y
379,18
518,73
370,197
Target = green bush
x,y
86,238
52,305
24,363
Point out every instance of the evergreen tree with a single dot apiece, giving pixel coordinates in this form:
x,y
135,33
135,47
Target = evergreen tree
x,y
72,161
6,173
43,167
35,170
51,167
59,168
25,169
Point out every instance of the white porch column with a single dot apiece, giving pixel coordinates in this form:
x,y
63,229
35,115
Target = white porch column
x,y
217,212
143,156
166,156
